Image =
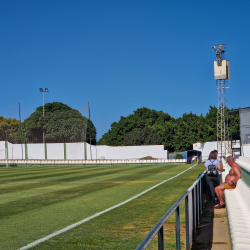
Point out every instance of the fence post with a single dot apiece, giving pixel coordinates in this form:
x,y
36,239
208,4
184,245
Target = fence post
x,y
198,202
193,204
187,222
197,206
161,239
200,197
177,228
203,195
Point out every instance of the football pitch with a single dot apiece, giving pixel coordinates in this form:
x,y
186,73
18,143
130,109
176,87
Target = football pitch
x,y
108,201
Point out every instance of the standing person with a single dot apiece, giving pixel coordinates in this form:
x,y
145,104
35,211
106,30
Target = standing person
x,y
230,181
213,167
217,153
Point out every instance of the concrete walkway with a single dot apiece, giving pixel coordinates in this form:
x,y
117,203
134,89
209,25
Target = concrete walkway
x,y
213,232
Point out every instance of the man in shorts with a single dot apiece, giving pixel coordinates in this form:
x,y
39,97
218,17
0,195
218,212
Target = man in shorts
x,y
230,181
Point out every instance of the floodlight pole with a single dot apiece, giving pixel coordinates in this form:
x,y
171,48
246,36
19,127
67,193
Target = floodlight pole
x,y
89,131
43,102
221,65
41,90
21,129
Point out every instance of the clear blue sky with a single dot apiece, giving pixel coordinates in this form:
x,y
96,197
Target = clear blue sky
x,y
122,55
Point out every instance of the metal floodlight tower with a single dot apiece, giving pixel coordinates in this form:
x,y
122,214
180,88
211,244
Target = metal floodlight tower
x,y
221,75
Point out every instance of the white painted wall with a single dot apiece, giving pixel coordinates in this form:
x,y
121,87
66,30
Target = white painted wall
x,y
75,151
92,152
136,152
2,150
103,152
98,152
205,148
246,151
16,151
55,151
35,151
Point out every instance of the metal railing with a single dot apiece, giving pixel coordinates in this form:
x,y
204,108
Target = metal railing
x,y
194,197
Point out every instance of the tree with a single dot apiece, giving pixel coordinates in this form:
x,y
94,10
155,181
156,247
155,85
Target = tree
x,y
176,134
211,124
233,124
179,156
60,124
8,127
142,117
142,137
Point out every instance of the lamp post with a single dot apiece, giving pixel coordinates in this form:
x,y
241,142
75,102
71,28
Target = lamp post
x,y
45,90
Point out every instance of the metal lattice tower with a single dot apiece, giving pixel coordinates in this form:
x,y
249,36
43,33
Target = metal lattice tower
x,y
221,74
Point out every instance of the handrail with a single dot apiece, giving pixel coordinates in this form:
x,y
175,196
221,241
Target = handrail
x,y
160,223
197,205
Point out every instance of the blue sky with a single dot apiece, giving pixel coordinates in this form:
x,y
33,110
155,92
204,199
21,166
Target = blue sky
x,y
122,55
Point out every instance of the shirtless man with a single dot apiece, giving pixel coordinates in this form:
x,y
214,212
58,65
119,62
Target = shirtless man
x,y
230,181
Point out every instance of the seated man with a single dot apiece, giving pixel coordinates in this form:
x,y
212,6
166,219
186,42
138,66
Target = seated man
x,y
230,181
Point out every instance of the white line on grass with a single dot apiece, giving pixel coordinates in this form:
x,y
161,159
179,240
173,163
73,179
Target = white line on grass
x,y
97,214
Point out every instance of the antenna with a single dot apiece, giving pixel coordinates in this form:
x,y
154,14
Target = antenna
x,y
221,75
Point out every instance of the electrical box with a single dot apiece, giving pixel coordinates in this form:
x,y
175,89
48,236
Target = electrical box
x,y
221,72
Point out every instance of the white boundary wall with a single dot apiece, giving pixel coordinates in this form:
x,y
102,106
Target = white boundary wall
x,y
34,151
98,152
2,150
75,151
205,148
78,151
126,152
16,151
55,151
157,151
246,151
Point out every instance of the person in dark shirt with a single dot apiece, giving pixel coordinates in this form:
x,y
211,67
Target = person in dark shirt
x,y
213,167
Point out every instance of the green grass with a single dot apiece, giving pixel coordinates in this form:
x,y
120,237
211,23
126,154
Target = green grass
x,y
37,201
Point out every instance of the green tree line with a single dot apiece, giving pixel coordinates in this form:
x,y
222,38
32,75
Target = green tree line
x,y
59,124
151,127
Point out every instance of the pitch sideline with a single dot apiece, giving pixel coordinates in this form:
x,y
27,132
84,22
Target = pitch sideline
x,y
97,214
